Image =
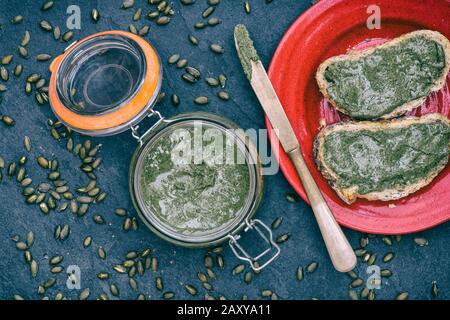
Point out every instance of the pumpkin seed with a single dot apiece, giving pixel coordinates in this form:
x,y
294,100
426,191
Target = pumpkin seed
x,y
175,100
153,14
217,48
114,290
247,7
201,100
154,264
213,82
55,260
372,259
95,15
434,289
18,70
213,21
199,25
353,295
181,63
126,4
169,295
47,5
3,88
28,256
387,240
4,74
276,223
223,81
386,273
388,257
119,268
357,283
133,29
17,19
159,283
137,15
402,296
103,296
208,11
65,231
193,40
85,294
282,238
188,78
101,253
45,25
21,246
103,275
238,269
144,30
12,169
98,219
34,268
43,57
190,289
248,277
56,33
163,20
56,269
30,238
193,72
312,267
23,52
133,284
67,36
7,59
421,242
44,208
213,2
87,241
300,273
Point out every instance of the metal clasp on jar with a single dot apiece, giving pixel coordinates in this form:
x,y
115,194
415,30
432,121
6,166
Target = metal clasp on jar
x,y
242,254
151,113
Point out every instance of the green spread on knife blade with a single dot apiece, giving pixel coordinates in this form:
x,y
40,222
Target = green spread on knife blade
x,y
246,50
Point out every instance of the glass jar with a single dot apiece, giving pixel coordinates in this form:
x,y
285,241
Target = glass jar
x,y
108,83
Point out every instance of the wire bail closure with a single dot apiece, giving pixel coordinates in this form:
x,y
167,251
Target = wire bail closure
x,y
151,113
242,254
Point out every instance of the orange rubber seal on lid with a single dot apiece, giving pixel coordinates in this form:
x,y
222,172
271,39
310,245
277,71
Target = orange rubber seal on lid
x,y
117,117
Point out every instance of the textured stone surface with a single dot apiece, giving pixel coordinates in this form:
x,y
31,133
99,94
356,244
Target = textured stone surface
x,y
414,267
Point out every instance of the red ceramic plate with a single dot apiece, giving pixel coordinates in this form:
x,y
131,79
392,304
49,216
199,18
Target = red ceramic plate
x,y
330,28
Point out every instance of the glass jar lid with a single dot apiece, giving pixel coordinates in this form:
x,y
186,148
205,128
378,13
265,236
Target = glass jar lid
x,y
105,83
195,180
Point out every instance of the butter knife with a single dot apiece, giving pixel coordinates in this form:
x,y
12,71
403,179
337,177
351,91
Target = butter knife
x,y
339,249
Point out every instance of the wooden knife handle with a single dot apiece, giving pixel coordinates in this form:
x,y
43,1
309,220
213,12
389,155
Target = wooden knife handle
x,y
339,249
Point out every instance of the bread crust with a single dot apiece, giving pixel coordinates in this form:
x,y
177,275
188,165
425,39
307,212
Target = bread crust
x,y
357,54
349,195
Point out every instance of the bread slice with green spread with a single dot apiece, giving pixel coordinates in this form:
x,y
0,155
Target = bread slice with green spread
x,y
387,80
384,160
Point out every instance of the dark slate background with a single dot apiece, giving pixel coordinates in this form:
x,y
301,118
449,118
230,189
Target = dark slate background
x,y
414,267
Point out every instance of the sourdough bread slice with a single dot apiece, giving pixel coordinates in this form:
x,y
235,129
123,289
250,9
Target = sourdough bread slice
x,y
355,55
349,193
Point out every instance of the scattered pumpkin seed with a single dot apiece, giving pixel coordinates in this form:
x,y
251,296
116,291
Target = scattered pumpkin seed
x,y
402,296
421,242
95,15
217,48
312,267
201,100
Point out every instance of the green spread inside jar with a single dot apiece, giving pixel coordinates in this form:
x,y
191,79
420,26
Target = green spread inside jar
x,y
387,159
378,83
189,185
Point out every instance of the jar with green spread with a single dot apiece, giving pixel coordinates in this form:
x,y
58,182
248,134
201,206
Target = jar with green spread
x,y
185,191
196,181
